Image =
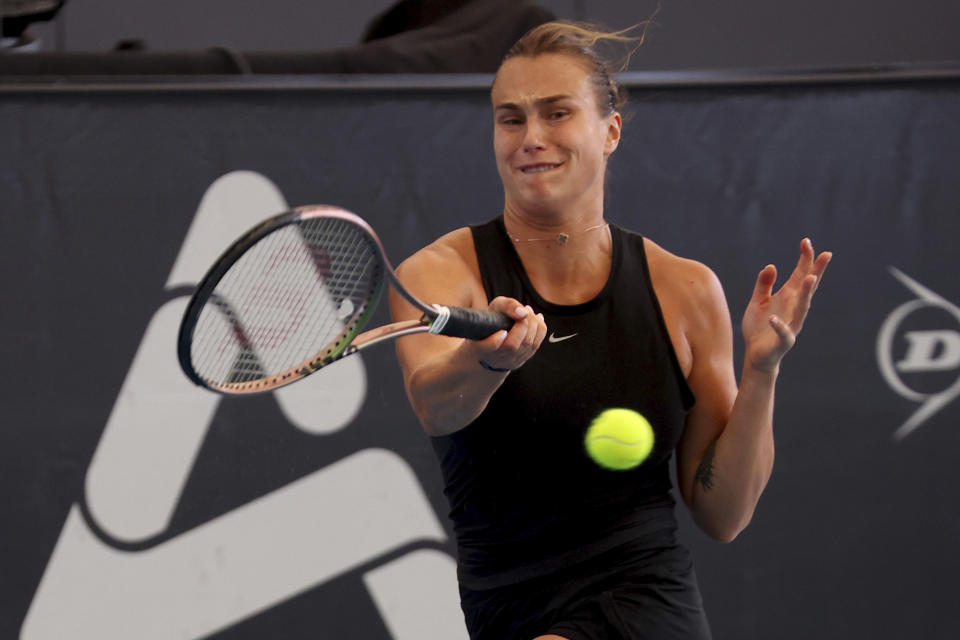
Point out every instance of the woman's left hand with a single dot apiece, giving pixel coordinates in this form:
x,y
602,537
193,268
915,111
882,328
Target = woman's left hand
x,y
772,321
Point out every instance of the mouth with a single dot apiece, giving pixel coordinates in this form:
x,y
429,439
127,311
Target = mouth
x,y
540,167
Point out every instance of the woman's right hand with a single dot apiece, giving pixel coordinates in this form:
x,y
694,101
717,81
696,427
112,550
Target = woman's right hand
x,y
508,350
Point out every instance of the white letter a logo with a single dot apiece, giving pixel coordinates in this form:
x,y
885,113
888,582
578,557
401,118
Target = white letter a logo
x,y
262,553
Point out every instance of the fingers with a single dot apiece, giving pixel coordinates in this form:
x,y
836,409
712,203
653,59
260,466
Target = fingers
x,y
764,286
808,264
802,307
786,334
509,306
510,349
523,335
812,267
820,264
806,255
804,263
809,271
526,335
785,311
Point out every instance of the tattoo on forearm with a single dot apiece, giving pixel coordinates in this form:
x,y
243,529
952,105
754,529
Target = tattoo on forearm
x,y
704,473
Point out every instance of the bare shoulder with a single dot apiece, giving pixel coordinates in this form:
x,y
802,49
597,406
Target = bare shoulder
x,y
446,271
693,304
681,280
452,253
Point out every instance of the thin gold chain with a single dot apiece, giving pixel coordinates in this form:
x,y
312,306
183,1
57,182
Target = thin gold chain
x,y
560,238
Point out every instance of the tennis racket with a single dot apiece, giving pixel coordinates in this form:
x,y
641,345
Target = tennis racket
x,y
293,295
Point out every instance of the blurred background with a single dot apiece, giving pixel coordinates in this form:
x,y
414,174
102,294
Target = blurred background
x,y
137,139
688,34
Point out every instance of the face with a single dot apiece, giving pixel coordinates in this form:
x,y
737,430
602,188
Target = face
x,y
550,140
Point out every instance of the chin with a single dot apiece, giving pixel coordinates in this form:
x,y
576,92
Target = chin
x,y
543,206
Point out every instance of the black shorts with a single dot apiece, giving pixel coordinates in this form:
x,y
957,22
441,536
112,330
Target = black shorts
x,y
620,595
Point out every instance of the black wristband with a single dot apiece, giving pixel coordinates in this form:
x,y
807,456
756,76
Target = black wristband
x,y
486,365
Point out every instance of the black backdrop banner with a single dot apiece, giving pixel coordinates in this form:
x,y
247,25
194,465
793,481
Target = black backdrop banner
x,y
135,505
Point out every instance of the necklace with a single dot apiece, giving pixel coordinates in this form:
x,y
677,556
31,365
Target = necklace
x,y
560,238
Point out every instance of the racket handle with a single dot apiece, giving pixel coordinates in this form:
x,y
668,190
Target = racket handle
x,y
475,324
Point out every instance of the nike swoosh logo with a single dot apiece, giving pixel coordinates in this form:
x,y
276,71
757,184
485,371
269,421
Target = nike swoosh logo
x,y
554,338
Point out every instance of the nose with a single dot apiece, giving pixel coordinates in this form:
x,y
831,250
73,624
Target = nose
x,y
533,136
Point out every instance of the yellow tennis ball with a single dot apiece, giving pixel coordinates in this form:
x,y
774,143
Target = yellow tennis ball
x,y
619,439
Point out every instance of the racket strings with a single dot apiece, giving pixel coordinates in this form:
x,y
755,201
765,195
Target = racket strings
x,y
295,293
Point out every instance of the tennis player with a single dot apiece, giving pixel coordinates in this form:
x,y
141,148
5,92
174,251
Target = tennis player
x,y
550,545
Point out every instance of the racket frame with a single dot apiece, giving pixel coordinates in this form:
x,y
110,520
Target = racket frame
x,y
348,342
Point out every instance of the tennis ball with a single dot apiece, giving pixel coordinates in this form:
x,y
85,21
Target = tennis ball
x,y
619,439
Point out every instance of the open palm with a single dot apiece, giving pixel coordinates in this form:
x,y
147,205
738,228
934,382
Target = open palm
x,y
772,321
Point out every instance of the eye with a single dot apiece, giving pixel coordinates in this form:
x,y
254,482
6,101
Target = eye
x,y
558,114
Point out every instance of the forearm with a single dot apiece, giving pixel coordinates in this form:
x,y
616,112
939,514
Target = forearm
x,y
735,469
449,390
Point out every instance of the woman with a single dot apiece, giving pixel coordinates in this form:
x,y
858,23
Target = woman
x,y
551,546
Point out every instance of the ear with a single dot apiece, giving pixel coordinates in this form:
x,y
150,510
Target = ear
x,y
614,128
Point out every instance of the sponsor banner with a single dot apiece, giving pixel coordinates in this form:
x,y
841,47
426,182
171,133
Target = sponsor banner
x,y
139,506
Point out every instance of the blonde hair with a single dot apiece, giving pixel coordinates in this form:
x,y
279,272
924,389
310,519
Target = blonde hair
x,y
584,41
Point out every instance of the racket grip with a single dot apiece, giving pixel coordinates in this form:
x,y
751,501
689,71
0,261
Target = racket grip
x,y
475,324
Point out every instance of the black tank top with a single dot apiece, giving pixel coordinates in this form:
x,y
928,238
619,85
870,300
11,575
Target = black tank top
x,y
524,497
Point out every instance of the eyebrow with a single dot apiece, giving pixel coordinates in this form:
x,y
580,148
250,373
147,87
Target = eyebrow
x,y
538,102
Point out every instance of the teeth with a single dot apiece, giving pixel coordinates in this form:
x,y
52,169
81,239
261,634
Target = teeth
x,y
539,169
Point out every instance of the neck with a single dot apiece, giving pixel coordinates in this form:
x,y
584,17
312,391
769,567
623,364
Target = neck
x,y
570,273
560,227
567,259
561,238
